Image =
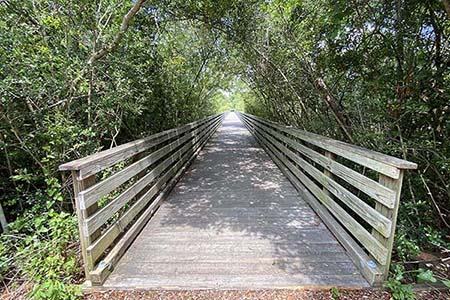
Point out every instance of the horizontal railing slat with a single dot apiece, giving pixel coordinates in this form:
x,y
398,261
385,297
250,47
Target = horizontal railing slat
x,y
97,248
368,186
97,162
102,188
364,237
101,216
369,214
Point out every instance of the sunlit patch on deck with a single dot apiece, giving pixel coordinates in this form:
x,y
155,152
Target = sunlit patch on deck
x,y
234,221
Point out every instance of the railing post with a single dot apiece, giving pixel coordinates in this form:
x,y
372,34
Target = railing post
x,y
327,173
82,215
390,213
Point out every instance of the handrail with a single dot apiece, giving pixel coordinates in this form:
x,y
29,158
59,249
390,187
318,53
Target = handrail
x,y
382,163
365,227
113,211
92,164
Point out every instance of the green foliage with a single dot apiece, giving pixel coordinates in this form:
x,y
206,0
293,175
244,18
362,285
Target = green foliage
x,y
426,276
335,293
446,283
55,107
235,98
399,290
405,246
55,290
41,247
403,291
384,65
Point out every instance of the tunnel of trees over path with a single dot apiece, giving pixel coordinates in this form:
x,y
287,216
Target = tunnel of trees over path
x,y
78,77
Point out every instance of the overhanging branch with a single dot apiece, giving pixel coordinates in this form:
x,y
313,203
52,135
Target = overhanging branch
x,y
123,29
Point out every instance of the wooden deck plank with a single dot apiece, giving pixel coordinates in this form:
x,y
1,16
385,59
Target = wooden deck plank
x,y
251,282
280,268
234,221
249,256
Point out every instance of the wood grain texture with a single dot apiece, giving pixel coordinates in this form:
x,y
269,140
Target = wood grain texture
x,y
373,274
85,240
396,185
234,221
372,245
368,186
382,163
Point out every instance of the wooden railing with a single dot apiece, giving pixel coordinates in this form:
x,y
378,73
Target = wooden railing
x,y
113,209
335,179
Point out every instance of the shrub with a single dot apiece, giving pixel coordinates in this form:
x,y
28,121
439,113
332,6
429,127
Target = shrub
x,y
41,248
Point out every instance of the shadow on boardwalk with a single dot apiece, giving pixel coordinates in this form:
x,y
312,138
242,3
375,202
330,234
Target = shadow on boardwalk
x,y
235,221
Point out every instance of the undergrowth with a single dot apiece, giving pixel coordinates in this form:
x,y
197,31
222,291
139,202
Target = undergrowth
x,y
39,255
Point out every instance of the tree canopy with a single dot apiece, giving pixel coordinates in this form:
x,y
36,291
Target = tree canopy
x,y
81,76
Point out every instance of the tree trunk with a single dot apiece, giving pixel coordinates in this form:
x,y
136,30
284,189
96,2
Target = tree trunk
x,y
336,109
123,29
3,221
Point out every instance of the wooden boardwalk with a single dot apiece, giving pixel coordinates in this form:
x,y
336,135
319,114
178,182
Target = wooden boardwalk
x,y
234,221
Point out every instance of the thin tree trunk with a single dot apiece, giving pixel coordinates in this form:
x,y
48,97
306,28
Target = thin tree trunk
x,y
279,70
3,221
320,85
338,113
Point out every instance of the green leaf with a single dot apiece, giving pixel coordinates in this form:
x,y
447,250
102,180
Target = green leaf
x,y
446,283
426,276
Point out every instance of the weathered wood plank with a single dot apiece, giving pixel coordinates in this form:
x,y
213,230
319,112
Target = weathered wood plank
x,y
396,185
369,214
369,269
94,193
327,172
160,243
295,208
368,186
289,235
237,256
85,240
200,268
248,282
